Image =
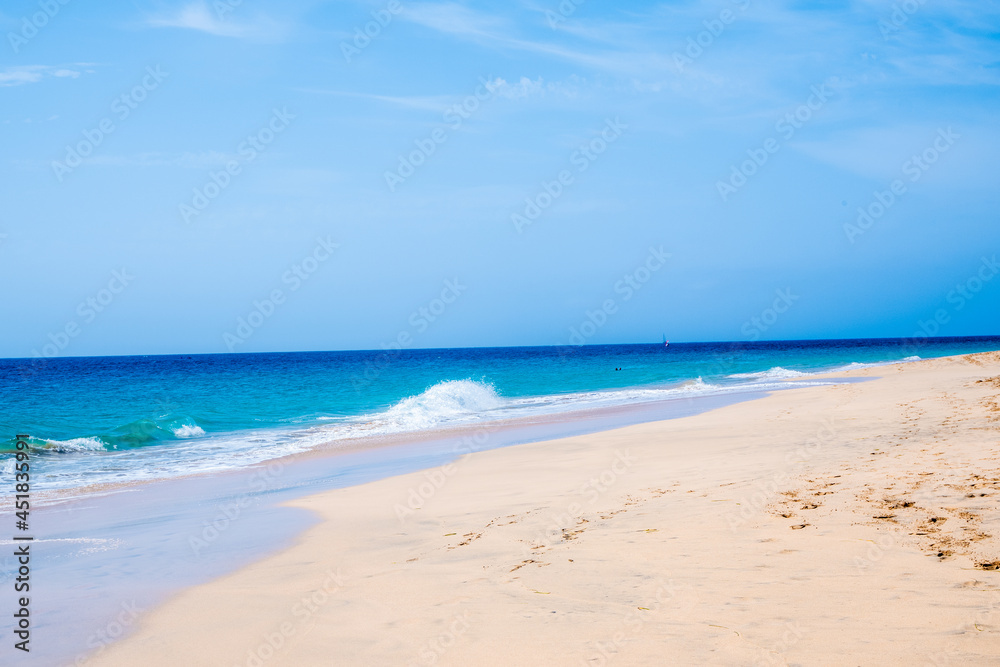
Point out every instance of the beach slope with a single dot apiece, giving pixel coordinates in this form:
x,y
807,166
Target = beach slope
x,y
849,524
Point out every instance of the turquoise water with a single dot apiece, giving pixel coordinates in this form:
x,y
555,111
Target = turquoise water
x,y
114,419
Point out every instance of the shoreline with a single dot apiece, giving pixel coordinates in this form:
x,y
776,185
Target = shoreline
x,y
536,428
191,530
374,569
56,470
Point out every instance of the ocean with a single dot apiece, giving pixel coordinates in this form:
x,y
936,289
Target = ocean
x,y
98,420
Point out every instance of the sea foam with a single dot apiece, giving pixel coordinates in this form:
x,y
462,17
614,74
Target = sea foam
x,y
90,444
776,373
442,404
188,431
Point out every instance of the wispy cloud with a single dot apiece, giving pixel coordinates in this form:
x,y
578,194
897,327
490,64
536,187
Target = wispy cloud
x,y
202,160
200,16
937,46
494,31
425,102
455,19
182,160
879,153
18,75
522,88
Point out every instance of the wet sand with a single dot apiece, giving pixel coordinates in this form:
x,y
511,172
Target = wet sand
x,y
847,524
104,555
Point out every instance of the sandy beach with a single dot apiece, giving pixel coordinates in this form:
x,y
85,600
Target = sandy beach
x,y
843,525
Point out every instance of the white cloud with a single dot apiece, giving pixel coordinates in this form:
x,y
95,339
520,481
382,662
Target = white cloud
x,y
426,102
523,88
198,16
640,47
494,31
520,89
203,160
454,19
17,75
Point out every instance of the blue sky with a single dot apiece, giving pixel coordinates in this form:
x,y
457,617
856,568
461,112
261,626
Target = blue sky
x,y
366,171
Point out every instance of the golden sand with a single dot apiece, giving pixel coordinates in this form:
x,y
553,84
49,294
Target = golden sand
x,y
854,524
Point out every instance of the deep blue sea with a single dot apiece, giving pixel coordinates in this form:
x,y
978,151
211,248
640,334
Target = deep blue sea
x,y
120,419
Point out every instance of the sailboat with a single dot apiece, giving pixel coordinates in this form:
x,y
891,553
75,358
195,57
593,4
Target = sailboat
x,y
666,343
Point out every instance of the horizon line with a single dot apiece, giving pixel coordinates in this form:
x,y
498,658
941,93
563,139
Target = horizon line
x,y
398,349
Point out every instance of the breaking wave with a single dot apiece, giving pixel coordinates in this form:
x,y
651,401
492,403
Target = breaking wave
x,y
776,373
